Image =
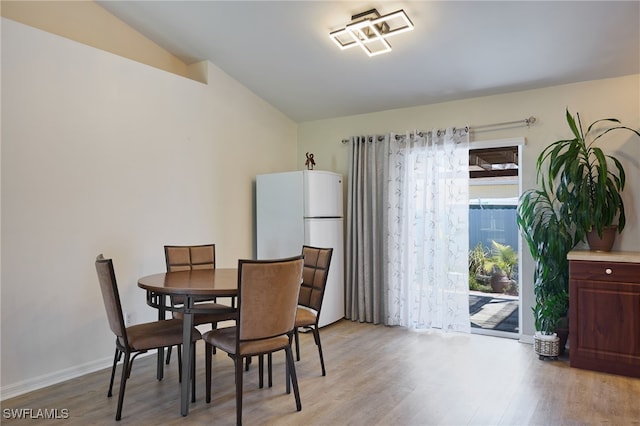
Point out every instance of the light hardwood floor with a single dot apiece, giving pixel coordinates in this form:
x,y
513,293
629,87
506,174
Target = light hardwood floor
x,y
376,375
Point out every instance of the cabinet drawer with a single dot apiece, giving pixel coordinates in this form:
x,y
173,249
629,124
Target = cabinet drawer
x,y
605,271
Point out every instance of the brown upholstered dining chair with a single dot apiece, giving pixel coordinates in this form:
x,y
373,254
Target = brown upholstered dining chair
x,y
185,258
267,299
314,281
135,339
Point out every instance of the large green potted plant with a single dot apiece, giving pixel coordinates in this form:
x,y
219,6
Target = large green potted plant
x,y
546,227
587,181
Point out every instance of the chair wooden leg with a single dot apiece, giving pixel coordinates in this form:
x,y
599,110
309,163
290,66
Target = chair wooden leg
x,y
193,372
116,358
214,325
131,363
179,350
123,383
287,373
291,373
239,392
207,371
297,340
270,369
168,360
316,337
260,371
235,362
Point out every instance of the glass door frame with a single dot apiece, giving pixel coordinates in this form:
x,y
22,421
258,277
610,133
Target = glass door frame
x,y
501,143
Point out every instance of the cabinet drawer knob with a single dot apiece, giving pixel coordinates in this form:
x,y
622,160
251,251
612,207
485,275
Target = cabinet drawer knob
x,y
608,271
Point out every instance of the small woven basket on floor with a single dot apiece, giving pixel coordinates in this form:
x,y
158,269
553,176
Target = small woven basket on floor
x,y
546,345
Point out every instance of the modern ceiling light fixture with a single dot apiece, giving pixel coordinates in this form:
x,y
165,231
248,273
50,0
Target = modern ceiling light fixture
x,y
370,31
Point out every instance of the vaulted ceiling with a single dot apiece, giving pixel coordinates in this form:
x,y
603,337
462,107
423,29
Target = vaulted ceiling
x,y
281,50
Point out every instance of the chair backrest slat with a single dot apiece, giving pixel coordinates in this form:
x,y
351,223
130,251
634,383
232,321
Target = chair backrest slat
x,y
267,297
314,277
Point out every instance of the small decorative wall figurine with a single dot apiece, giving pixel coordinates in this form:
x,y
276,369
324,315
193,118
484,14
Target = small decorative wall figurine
x,y
310,161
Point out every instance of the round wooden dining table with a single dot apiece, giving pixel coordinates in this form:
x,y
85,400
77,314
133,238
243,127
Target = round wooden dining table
x,y
192,285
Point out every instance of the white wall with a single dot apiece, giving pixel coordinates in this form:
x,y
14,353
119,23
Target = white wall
x,y
101,154
617,97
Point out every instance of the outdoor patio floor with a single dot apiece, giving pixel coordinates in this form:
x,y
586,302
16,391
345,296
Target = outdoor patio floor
x,y
493,311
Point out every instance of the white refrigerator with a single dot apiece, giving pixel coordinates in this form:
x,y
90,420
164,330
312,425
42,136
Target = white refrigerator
x,y
303,207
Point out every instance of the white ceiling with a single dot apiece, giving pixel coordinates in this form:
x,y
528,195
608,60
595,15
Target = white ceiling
x,y
459,49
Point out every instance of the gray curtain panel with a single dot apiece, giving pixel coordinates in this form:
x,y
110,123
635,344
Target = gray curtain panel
x,y
366,242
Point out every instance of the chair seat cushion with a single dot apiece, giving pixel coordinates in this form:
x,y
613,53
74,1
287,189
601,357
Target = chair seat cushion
x,y
157,334
225,339
305,317
218,313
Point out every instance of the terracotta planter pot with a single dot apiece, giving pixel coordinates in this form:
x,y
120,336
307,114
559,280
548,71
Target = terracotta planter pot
x,y
499,282
606,242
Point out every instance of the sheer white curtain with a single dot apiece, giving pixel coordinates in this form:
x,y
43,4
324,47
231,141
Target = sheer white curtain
x,y
427,231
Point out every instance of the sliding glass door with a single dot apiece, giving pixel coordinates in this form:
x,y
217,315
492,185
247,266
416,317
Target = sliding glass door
x,y
494,282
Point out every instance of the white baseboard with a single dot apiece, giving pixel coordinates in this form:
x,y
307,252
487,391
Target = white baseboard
x,y
30,385
40,382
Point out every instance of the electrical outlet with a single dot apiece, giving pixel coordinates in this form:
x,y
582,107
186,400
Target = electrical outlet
x,y
128,318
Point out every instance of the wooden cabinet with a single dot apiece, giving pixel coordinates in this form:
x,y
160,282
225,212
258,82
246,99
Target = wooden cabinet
x,y
604,312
